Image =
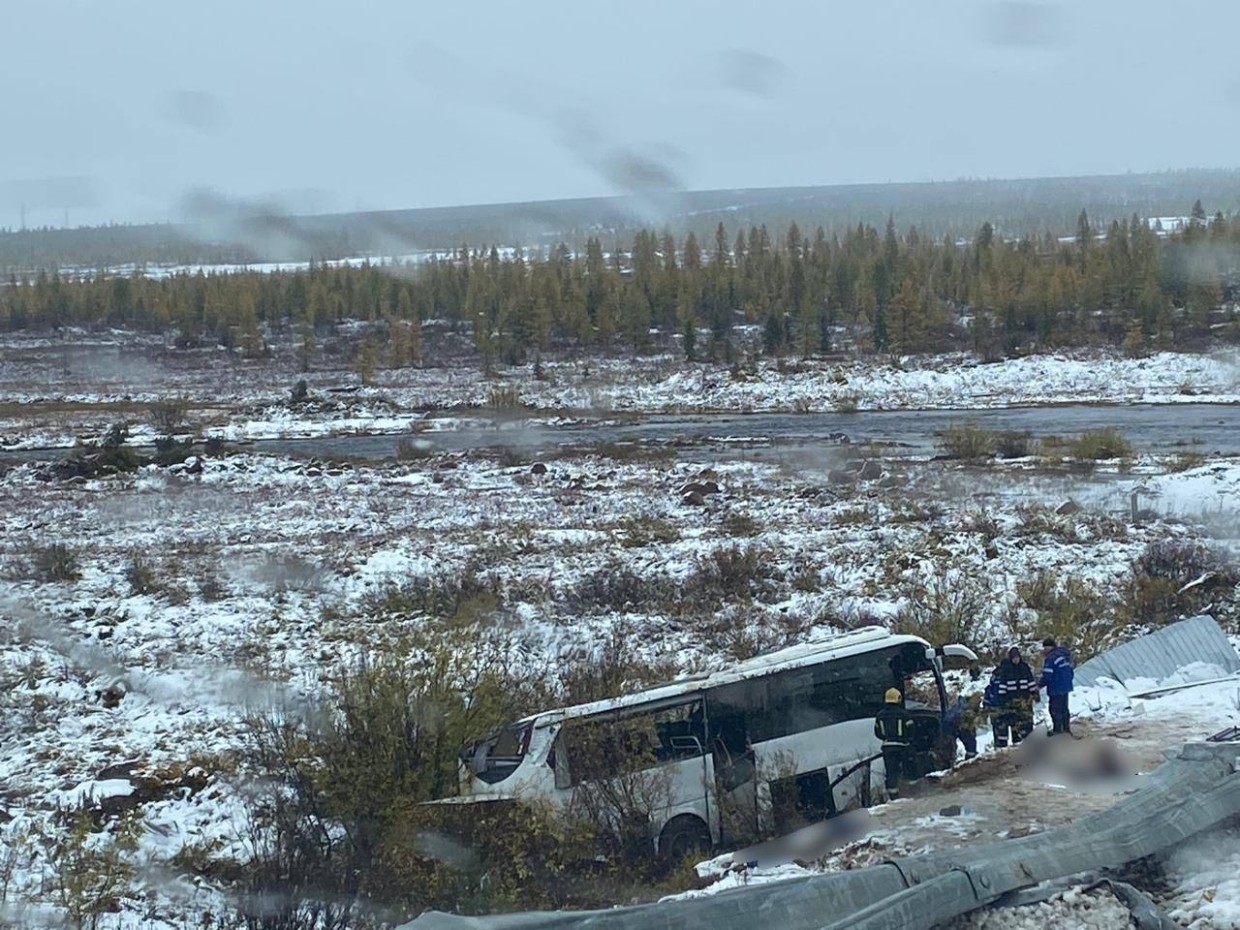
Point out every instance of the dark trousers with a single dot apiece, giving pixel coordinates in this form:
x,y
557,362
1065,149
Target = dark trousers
x,y
1059,714
1018,720
968,739
894,757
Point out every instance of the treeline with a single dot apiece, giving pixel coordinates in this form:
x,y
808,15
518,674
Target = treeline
x,y
805,294
228,232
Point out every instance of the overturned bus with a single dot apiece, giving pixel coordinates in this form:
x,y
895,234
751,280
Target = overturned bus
x,y
756,749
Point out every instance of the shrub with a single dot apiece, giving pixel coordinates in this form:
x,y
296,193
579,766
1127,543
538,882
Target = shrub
x,y
1098,445
505,397
636,532
968,442
1184,461
336,814
171,452
847,403
948,608
1071,610
1012,444
741,573
462,596
56,562
167,417
141,576
741,524
614,587
90,873
1173,578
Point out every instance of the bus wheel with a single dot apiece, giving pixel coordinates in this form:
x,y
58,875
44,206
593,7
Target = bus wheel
x,y
682,837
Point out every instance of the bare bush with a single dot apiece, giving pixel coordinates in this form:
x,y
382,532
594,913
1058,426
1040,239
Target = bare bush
x,y
466,594
1100,445
740,524
56,562
90,871
948,608
968,442
616,587
1014,444
1071,610
636,532
1173,578
731,573
167,417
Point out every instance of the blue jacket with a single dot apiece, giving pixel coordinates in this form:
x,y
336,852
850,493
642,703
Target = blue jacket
x,y
1057,671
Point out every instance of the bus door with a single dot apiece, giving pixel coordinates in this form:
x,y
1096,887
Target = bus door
x,y
734,765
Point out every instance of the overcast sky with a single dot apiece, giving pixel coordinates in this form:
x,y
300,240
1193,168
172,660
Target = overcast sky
x,y
120,109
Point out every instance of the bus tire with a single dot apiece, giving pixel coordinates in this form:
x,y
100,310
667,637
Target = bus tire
x,y
683,836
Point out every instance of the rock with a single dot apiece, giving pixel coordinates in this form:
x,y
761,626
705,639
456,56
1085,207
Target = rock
x,y
701,488
870,470
952,810
437,478
891,481
1067,508
695,498
119,770
111,696
447,463
538,468
839,476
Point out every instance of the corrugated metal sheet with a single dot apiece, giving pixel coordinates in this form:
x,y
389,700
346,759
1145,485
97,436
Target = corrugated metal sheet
x,y
1163,653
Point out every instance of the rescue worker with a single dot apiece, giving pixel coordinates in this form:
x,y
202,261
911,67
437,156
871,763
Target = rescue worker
x,y
1012,691
960,723
1057,677
893,725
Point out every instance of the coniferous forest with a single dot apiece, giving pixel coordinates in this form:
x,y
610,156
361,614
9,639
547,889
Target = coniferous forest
x,y
1130,284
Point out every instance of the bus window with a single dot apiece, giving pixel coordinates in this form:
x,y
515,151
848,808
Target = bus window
x,y
498,756
606,746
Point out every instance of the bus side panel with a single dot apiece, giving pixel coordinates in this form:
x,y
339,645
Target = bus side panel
x,y
827,750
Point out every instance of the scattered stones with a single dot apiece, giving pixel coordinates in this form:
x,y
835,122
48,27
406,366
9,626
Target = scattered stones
x,y
538,468
1067,508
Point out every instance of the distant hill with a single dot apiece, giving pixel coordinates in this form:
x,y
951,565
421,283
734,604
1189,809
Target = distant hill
x,y
955,208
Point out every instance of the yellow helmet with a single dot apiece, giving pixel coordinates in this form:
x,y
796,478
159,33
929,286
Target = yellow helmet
x,y
893,695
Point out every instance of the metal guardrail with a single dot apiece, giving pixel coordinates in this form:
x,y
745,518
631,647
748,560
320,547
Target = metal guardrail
x,y
1190,792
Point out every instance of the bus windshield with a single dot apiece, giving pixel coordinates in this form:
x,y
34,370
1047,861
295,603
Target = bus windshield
x,y
495,758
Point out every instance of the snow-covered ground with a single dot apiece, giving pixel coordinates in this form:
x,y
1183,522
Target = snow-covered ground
x,y
265,566
265,572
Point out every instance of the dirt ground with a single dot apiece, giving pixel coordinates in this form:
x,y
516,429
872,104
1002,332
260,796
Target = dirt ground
x,y
1036,786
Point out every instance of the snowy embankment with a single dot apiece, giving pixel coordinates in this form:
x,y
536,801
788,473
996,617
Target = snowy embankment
x,y
946,382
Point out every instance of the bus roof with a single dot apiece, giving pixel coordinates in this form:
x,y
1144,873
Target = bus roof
x,y
842,645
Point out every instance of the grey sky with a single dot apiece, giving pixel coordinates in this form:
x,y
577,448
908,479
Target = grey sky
x,y
116,110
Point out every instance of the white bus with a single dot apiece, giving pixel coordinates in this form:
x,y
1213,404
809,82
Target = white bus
x,y
759,748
